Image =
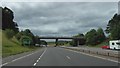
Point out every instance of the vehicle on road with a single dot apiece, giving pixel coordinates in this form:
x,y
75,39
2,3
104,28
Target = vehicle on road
x,y
105,47
44,45
37,45
114,44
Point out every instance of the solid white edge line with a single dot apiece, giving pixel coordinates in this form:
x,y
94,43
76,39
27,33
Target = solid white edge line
x,y
95,56
3,64
39,57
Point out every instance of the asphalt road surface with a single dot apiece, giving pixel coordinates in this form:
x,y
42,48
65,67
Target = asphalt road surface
x,y
55,56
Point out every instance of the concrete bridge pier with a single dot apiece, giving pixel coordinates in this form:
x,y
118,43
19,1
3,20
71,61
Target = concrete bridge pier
x,y
77,42
56,42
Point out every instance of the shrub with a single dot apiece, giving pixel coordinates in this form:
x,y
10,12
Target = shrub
x,y
9,33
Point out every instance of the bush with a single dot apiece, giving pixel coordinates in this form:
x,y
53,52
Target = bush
x,y
18,36
9,33
73,43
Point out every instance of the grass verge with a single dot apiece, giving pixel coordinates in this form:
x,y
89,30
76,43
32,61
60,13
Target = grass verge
x,y
13,47
0,43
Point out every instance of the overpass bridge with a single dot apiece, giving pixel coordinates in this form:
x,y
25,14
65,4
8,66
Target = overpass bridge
x,y
57,38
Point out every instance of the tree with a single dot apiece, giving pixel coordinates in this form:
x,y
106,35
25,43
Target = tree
x,y
7,20
100,35
113,27
28,33
71,43
37,40
91,37
18,35
94,37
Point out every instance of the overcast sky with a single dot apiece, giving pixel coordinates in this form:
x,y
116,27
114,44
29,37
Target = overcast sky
x,y
62,18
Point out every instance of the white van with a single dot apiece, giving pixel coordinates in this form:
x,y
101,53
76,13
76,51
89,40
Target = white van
x,y
114,44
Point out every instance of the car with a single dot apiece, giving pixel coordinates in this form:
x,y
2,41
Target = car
x,y
105,47
37,45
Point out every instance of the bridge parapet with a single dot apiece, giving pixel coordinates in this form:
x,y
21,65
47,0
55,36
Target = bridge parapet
x,y
60,37
56,38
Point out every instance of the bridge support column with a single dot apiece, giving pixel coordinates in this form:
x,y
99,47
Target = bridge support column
x,y
77,42
56,42
40,43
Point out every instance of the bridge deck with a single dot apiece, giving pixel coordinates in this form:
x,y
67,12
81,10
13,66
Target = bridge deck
x,y
60,37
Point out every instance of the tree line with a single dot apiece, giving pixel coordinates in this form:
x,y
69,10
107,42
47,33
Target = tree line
x,y
113,27
94,37
10,27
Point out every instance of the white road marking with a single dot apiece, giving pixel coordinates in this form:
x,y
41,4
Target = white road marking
x,y
18,58
3,64
35,64
68,57
40,57
95,56
37,60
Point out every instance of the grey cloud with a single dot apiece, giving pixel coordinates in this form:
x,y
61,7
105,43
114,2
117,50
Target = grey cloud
x,y
63,18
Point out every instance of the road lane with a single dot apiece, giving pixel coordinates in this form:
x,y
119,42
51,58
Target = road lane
x,y
26,60
55,56
40,57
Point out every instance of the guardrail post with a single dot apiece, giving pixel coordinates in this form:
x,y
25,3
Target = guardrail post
x,y
83,50
97,52
89,51
108,53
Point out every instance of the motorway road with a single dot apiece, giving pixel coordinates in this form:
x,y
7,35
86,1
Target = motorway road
x,y
56,56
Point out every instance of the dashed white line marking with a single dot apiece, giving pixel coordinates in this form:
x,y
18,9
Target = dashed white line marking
x,y
68,57
39,58
96,56
35,64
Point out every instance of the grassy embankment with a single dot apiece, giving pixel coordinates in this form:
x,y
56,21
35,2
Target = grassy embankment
x,y
0,43
105,43
12,46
